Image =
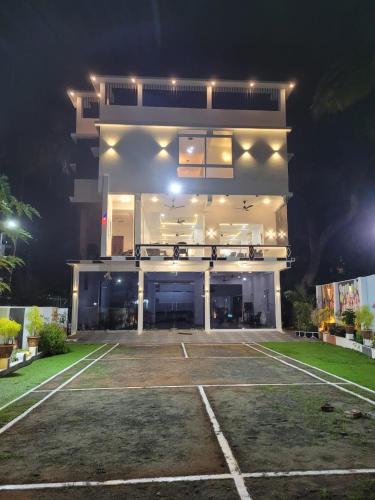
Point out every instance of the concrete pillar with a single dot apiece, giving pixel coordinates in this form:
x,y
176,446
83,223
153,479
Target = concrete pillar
x,y
276,275
75,293
209,97
105,217
140,300
139,94
207,312
137,219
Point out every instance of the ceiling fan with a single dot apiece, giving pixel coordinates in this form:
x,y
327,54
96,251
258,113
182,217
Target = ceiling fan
x,y
172,206
244,206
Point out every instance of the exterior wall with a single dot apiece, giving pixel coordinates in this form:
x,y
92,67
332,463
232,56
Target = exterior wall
x,y
145,159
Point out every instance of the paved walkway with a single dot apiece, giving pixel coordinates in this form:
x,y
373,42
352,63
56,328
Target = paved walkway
x,y
176,336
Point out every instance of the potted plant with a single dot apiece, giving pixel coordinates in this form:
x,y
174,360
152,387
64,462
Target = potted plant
x,y
365,319
348,318
35,324
9,329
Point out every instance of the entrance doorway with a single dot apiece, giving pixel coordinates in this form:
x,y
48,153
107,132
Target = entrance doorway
x,y
173,300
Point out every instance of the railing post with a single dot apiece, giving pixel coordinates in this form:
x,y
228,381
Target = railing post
x,y
251,252
176,252
288,251
213,252
137,252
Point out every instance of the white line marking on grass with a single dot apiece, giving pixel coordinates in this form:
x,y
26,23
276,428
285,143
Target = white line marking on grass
x,y
184,350
54,391
173,479
184,386
173,358
225,448
329,472
333,384
113,482
320,370
53,376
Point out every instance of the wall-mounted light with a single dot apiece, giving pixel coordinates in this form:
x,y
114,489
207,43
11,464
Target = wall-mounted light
x,y
270,234
252,84
98,94
162,215
71,93
133,80
93,78
292,85
266,201
194,199
281,235
154,199
173,82
222,199
211,233
75,291
213,83
175,188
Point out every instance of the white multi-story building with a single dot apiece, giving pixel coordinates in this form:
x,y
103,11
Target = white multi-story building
x,y
184,220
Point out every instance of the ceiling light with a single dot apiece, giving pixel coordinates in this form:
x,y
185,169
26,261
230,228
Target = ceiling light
x,y
281,235
71,93
266,201
126,198
175,188
194,199
213,83
173,82
162,215
190,150
252,84
222,199
154,199
133,80
211,233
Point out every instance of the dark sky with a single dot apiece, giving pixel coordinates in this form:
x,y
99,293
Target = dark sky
x,y
49,46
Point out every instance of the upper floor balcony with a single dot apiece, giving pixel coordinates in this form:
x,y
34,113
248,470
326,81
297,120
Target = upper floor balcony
x,y
87,114
186,102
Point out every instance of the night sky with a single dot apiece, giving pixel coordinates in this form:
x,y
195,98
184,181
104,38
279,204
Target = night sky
x,y
49,46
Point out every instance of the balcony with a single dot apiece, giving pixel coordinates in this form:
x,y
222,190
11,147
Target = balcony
x,y
163,252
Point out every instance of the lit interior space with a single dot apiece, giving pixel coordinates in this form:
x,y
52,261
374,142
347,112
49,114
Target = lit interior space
x,y
213,219
121,221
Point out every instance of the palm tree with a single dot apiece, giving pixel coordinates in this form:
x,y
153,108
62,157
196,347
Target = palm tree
x,y
11,207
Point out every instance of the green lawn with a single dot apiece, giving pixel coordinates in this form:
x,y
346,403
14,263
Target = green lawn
x,y
337,360
28,377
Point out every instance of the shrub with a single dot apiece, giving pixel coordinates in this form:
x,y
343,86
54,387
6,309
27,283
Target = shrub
x,y
35,321
9,329
302,315
348,317
365,317
52,339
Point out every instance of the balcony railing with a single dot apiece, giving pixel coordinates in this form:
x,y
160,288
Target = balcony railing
x,y
184,251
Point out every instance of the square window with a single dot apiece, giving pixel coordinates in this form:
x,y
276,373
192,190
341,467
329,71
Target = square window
x,y
191,151
190,171
219,151
219,173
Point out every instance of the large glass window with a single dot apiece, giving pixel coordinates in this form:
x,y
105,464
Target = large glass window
x,y
242,300
214,152
173,300
108,301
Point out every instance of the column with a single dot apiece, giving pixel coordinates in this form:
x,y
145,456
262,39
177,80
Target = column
x,y
209,97
137,219
207,312
139,94
276,276
105,217
75,290
140,300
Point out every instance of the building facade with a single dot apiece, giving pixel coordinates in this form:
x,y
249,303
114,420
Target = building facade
x,y
183,219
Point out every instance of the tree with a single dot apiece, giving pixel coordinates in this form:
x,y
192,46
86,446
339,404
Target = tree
x,y
10,206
